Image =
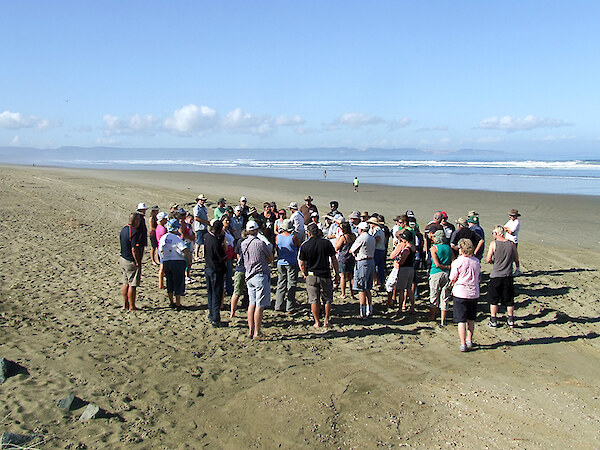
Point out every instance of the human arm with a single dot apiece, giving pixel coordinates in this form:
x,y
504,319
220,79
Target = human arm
x,y
436,260
340,243
491,250
396,250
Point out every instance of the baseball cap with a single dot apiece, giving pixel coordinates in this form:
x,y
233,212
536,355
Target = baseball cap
x,y
251,225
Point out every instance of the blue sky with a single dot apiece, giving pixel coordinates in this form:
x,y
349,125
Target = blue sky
x,y
514,76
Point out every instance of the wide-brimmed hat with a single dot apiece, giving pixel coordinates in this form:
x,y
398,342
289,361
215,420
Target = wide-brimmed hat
x,y
293,205
142,206
200,197
354,215
287,225
308,197
461,221
472,213
512,212
373,220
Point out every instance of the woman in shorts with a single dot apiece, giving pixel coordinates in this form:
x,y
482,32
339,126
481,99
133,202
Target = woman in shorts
x,y
464,276
404,255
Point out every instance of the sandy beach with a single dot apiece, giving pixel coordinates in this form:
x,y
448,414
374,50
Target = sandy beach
x,y
166,379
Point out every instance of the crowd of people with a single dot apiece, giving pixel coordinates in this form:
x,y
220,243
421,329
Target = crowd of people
x,y
351,254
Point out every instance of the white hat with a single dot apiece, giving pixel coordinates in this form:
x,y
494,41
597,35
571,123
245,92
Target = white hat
x,y
314,214
237,208
363,226
141,206
293,205
200,197
161,215
251,225
243,199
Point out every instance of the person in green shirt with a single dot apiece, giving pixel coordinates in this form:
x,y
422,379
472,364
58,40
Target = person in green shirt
x,y
439,281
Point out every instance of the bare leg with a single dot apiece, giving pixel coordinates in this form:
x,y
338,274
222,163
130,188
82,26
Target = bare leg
x,y
316,311
326,321
432,311
251,309
443,321
234,302
470,330
171,302
258,317
343,284
131,293
494,310
178,300
124,291
510,310
462,331
161,278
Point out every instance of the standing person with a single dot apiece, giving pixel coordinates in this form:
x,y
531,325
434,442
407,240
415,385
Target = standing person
x,y
186,233
333,208
354,219
404,254
131,261
237,223
221,208
268,219
216,267
315,257
245,208
297,220
473,221
363,250
201,224
257,256
377,232
464,276
153,241
512,228
281,216
501,290
307,209
465,232
439,276
142,228
174,254
446,225
355,184
161,230
239,279
345,258
229,254
287,268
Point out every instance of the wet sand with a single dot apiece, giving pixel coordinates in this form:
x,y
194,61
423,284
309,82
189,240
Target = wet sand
x,y
169,380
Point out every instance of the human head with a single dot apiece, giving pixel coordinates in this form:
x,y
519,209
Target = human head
x,y
267,206
439,237
293,206
437,217
444,216
465,246
314,217
406,236
134,219
333,204
363,226
222,202
499,231
201,199
312,229
308,199
282,214
514,213
161,216
364,216
237,210
142,208
286,226
173,225
252,227
154,211
462,222
216,226
346,228
374,222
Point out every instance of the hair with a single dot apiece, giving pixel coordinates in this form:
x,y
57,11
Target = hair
x,y
133,217
466,246
499,230
346,228
404,218
265,204
216,227
334,203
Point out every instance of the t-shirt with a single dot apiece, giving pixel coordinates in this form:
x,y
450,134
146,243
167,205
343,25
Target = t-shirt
x,y
365,244
466,233
130,238
316,253
514,226
201,212
172,247
160,232
219,212
287,252
465,274
379,236
255,253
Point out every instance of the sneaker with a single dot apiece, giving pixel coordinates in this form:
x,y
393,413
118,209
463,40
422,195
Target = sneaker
x,y
493,324
469,344
510,322
517,272
463,348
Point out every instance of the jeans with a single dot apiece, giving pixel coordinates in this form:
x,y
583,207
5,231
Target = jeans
x,y
214,287
287,279
379,259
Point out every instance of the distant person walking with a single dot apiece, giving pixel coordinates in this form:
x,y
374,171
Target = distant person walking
x,y
355,184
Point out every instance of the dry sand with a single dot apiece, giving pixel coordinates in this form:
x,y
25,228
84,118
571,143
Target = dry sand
x,y
169,380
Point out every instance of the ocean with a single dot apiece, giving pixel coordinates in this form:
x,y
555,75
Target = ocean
x,y
577,177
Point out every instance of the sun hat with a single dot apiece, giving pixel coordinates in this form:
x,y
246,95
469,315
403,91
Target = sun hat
x,y
200,197
293,205
286,225
308,197
252,210
512,212
174,206
354,215
251,225
363,226
373,220
173,225
237,208
161,215
141,206
243,199
155,208
472,213
314,214
439,237
461,221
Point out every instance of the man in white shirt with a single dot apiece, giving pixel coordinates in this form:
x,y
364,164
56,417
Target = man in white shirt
x,y
297,220
512,228
363,250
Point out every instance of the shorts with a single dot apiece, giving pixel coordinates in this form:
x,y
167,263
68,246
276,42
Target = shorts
x,y
405,278
439,290
153,241
319,288
259,290
132,274
239,283
175,274
501,291
346,267
200,237
363,275
464,309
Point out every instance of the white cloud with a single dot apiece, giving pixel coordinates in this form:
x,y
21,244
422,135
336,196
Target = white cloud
x,y
192,119
14,121
509,123
354,120
136,125
398,124
552,138
16,141
284,121
242,122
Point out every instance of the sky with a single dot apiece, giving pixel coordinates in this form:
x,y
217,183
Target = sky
x,y
511,76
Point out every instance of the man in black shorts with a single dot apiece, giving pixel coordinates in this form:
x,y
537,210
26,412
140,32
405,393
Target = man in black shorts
x,y
501,289
315,257
131,261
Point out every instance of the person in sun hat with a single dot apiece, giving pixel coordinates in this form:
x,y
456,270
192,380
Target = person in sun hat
x,y
201,224
142,228
297,220
363,250
287,267
513,226
307,209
